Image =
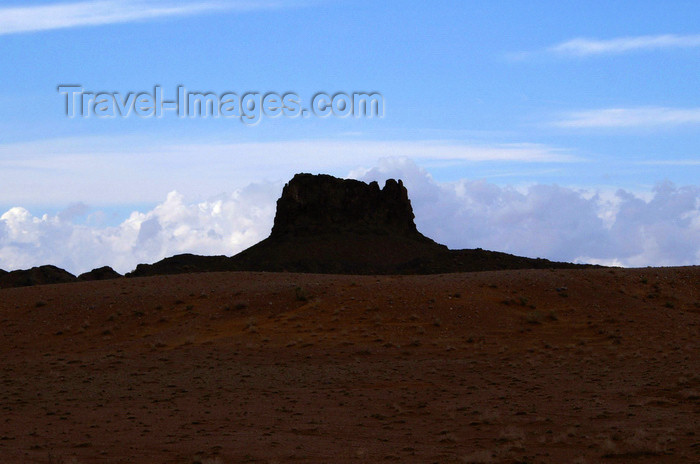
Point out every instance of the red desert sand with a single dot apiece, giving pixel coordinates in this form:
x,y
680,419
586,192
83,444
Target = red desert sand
x,y
542,366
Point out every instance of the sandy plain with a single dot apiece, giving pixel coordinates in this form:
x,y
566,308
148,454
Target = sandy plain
x,y
541,366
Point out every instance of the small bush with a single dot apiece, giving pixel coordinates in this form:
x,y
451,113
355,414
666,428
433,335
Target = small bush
x,y
534,317
537,317
239,306
479,457
300,294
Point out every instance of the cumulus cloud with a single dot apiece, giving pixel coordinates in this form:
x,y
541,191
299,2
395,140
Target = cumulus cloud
x,y
660,227
223,225
554,222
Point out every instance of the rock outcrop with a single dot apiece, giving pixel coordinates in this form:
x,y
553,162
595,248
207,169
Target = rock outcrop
x,y
323,225
101,273
182,264
322,204
36,276
328,225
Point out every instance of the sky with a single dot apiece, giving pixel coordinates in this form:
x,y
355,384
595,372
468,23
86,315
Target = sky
x,y
568,130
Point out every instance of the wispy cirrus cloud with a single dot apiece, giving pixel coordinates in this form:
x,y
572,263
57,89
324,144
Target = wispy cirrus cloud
x,y
121,169
48,16
672,162
582,47
644,117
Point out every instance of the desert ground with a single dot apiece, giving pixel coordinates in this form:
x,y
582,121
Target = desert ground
x,y
541,366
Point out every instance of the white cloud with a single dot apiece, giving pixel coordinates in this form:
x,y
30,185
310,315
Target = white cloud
x,y
14,20
587,47
554,222
644,117
661,227
223,225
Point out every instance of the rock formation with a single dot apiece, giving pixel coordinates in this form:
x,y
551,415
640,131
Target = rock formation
x,y
324,225
101,273
36,276
328,225
322,204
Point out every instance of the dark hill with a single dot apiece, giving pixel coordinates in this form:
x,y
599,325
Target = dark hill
x,y
36,276
101,273
328,225
183,264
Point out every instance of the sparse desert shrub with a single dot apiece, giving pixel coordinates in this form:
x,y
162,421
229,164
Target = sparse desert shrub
x,y
251,326
490,417
448,437
300,294
537,317
534,317
60,460
608,448
200,460
637,444
512,434
238,306
479,457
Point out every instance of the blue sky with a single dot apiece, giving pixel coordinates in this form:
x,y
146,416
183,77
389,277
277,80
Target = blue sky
x,y
590,96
